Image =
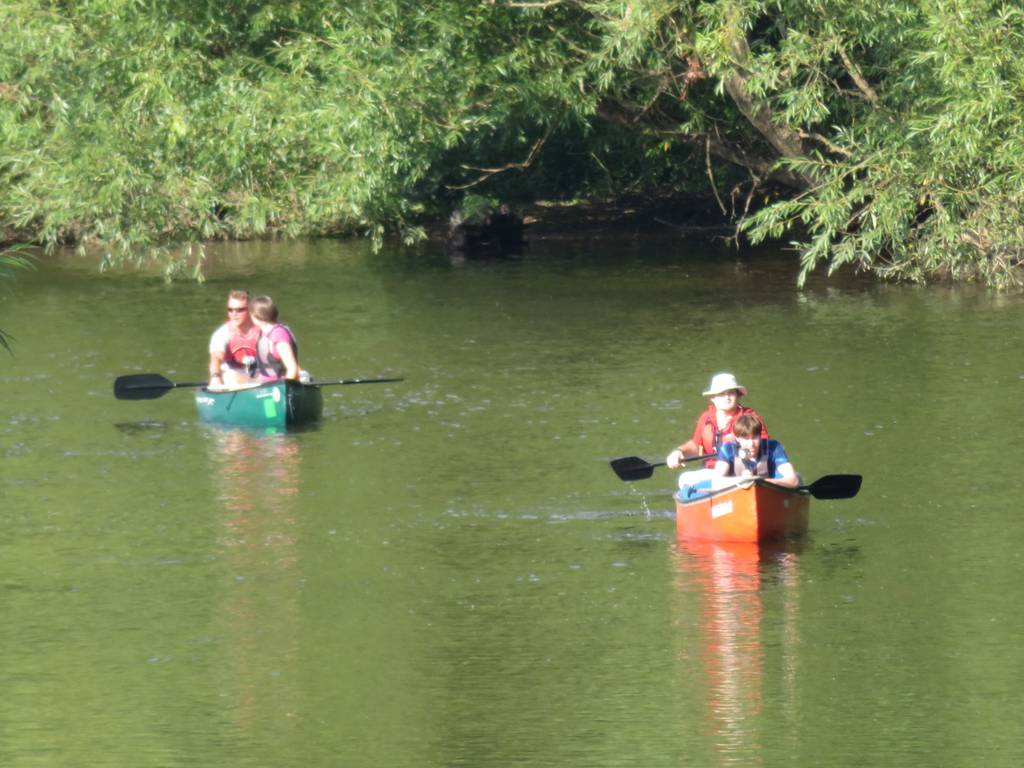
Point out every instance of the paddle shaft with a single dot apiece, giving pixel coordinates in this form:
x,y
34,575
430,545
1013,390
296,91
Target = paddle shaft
x,y
687,459
320,383
149,386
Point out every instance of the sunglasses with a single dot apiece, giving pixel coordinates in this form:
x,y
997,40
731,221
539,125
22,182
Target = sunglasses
x,y
238,309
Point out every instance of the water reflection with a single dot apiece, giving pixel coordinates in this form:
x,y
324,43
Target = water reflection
x,y
140,427
731,582
256,478
254,469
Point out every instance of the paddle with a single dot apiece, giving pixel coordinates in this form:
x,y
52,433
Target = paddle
x,y
634,468
825,487
834,487
149,386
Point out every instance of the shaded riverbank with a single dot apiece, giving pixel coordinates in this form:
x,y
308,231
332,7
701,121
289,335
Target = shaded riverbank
x,y
686,216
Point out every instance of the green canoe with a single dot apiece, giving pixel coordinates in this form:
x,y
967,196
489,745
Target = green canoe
x,y
277,404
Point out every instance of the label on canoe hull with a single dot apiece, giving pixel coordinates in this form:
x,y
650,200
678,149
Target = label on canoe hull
x,y
270,399
720,510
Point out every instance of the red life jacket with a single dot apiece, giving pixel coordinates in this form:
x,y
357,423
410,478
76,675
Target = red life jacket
x,y
709,437
241,349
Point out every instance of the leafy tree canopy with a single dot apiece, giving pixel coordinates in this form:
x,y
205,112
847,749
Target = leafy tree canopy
x,y
879,134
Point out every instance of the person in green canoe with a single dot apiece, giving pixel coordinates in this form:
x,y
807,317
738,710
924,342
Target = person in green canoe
x,y
233,345
277,352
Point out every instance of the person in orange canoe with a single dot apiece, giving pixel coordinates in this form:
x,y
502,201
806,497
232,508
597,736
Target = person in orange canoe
x,y
714,426
750,455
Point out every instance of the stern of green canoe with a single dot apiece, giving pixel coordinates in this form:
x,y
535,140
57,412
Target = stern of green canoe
x,y
305,403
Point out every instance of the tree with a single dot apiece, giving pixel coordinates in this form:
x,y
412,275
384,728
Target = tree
x,y
136,128
874,134
892,126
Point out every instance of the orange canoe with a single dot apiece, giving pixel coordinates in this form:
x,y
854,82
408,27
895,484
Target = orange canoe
x,y
756,511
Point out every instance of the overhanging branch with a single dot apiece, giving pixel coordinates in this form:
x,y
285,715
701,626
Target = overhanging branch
x,y
857,76
487,173
763,167
759,114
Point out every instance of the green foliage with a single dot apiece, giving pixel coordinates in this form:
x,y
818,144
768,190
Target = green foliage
x,y
475,208
896,122
929,183
12,259
138,126
885,132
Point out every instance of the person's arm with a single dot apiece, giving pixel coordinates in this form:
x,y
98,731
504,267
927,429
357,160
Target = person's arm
x,y
216,378
287,355
785,472
724,461
218,346
691,447
675,459
787,476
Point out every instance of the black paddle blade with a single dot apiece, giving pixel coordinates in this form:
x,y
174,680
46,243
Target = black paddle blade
x,y
633,468
835,486
142,386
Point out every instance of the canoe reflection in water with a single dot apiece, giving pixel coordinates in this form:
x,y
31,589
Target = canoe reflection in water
x,y
725,641
252,468
256,480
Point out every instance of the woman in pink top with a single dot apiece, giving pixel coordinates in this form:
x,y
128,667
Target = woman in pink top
x,y
277,353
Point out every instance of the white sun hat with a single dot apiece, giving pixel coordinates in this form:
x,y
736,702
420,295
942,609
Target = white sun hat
x,y
723,382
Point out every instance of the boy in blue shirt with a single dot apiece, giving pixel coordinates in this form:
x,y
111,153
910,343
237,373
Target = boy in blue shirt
x,y
752,456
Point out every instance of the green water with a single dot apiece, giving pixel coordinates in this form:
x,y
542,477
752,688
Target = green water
x,y
447,573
